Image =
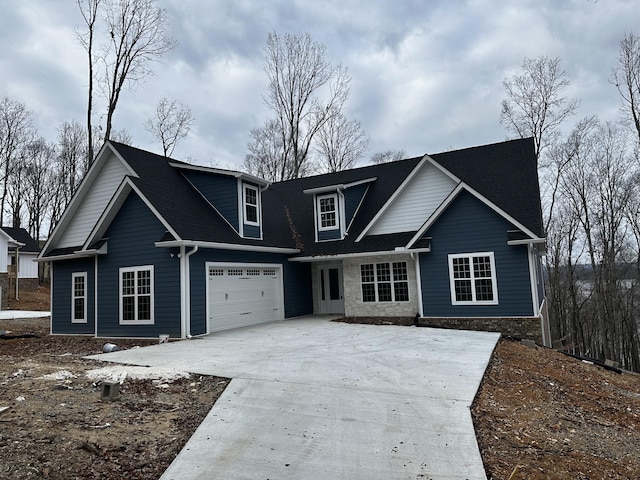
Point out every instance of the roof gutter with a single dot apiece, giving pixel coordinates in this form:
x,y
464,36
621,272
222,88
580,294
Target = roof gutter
x,y
340,256
69,256
226,246
528,241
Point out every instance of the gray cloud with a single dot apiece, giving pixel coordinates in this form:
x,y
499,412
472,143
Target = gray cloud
x,y
426,76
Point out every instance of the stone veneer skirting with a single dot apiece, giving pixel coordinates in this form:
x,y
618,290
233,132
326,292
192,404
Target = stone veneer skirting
x,y
521,327
28,284
4,284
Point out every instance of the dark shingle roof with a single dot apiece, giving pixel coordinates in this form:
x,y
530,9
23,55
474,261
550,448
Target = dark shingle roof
x,y
22,236
505,173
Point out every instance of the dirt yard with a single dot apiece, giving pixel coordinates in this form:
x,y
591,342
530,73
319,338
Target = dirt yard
x,y
538,415
57,426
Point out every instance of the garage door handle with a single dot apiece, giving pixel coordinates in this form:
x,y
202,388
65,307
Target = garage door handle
x,y
263,293
226,296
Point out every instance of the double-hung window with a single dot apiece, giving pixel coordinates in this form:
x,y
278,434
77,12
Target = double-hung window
x,y
251,205
384,282
327,208
473,279
136,295
79,297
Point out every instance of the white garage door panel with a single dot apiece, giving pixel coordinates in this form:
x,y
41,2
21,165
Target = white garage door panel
x,y
239,296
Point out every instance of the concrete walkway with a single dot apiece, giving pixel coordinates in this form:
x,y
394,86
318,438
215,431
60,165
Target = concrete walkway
x,y
314,399
17,314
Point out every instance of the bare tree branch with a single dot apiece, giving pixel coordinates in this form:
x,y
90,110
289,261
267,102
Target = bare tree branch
x,y
170,124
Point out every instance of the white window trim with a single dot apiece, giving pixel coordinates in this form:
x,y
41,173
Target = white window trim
x,y
152,288
336,210
246,187
82,275
494,281
393,281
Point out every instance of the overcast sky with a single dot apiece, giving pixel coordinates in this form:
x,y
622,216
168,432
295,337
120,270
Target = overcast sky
x,y
426,74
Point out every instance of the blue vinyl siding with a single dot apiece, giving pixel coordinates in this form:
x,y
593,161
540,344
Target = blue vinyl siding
x,y
469,226
61,307
352,198
220,191
251,231
329,234
296,279
131,243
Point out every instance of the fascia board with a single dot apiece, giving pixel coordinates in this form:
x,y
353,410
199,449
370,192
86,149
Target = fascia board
x,y
338,186
392,199
217,171
340,256
226,246
84,188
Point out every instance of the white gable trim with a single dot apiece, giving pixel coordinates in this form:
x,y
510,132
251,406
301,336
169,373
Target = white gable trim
x,y
85,186
229,173
113,208
452,196
393,197
338,186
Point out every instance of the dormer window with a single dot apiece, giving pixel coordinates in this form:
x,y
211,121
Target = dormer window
x,y
327,212
251,200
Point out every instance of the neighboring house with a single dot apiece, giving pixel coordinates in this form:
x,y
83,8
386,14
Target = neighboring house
x,y
18,270
151,246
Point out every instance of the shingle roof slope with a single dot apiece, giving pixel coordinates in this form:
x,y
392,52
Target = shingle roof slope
x,y
505,173
22,236
181,205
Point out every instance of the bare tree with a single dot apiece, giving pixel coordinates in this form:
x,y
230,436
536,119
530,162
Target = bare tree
x,y
71,156
626,77
266,149
137,30
89,12
388,156
534,104
16,131
299,73
37,184
341,143
136,36
171,123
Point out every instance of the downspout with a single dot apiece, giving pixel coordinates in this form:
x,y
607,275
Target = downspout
x,y
183,293
17,270
416,259
95,296
188,290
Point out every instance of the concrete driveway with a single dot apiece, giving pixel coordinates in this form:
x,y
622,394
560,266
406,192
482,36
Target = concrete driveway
x,y
315,399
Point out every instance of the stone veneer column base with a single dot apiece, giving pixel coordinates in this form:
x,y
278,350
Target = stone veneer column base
x,y
521,327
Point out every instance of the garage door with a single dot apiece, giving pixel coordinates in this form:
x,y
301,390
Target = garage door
x,y
240,295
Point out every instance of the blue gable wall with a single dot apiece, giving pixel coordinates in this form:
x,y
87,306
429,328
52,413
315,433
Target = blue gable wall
x,y
220,191
469,226
296,279
131,238
61,307
352,198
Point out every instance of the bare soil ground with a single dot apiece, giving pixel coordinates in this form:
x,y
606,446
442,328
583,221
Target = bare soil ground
x,y
538,415
542,415
57,426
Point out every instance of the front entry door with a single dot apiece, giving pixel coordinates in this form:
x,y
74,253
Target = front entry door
x,y
331,289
